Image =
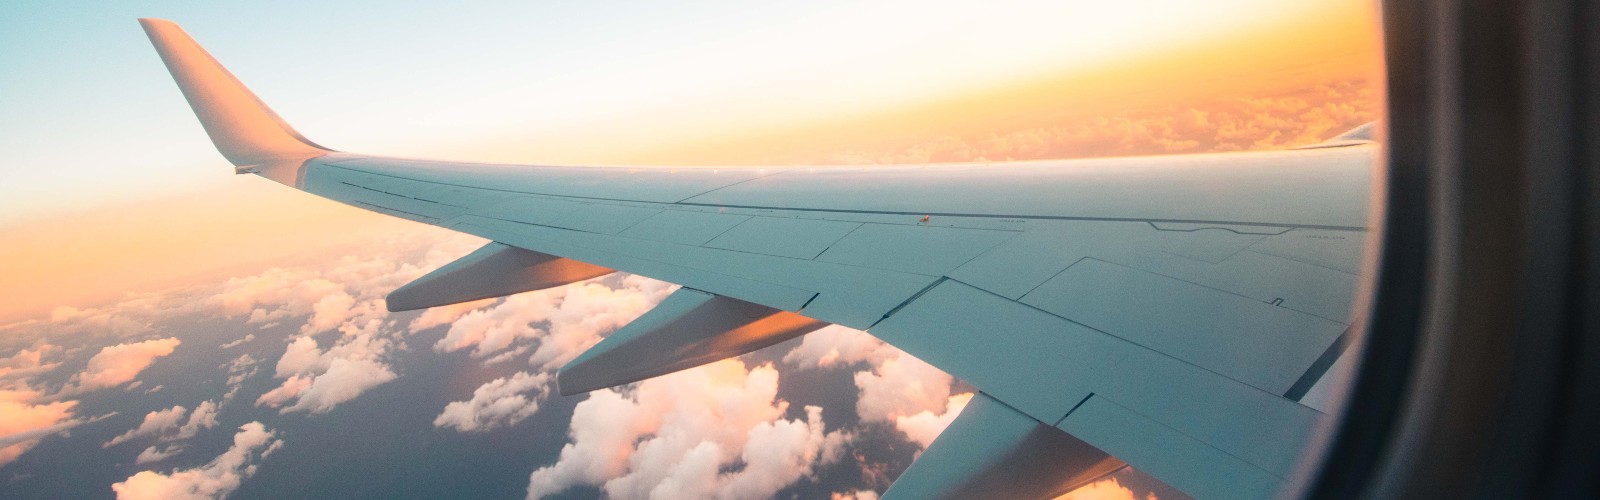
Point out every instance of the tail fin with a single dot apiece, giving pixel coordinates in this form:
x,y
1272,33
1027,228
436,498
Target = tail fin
x,y
244,130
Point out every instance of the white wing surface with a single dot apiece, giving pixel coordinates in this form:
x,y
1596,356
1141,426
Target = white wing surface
x,y
1175,313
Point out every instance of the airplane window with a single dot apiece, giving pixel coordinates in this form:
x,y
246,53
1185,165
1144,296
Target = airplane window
x,y
1032,249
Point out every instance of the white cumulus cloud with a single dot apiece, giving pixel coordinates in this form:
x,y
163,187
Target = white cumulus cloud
x,y
501,402
169,425
924,426
118,364
28,419
215,479
154,423
26,363
447,314
155,453
316,380
716,431
835,345
564,320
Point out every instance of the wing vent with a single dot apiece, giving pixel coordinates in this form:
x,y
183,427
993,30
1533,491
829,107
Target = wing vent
x,y
688,329
496,270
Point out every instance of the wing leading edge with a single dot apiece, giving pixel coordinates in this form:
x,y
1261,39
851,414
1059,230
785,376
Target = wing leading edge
x,y
1181,314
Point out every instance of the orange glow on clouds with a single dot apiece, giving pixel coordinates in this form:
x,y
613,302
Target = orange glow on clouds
x,y
88,258
1125,58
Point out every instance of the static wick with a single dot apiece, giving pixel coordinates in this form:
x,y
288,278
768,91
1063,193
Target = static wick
x,y
924,219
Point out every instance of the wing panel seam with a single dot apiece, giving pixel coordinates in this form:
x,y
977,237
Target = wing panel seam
x,y
882,212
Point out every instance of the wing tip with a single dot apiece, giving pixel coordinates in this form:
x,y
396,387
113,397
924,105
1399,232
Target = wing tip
x,y
244,129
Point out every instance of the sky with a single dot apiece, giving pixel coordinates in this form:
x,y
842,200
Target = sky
x,y
129,241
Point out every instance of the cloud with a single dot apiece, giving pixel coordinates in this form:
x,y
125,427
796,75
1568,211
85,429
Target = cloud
x,y
1105,489
780,453
896,388
837,345
342,293
154,423
274,294
204,417
118,364
27,363
488,331
316,381
130,317
28,420
240,369
856,495
290,389
716,431
344,379
447,314
154,454
923,427
345,295
28,415
343,312
169,425
900,386
590,310
248,337
576,316
501,402
215,479
1294,115
910,394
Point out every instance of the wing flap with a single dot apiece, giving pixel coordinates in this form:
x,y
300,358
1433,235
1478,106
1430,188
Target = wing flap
x,y
1044,366
495,270
1254,342
993,451
1189,464
688,329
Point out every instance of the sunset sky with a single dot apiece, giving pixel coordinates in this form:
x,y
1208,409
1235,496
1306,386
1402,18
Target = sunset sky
x,y
116,201
110,185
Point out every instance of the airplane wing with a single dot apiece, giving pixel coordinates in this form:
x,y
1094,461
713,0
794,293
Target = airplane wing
x,y
1176,313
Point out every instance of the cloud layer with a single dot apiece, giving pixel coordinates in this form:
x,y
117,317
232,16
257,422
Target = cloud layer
x,y
501,402
716,431
1288,117
118,364
169,425
29,419
215,479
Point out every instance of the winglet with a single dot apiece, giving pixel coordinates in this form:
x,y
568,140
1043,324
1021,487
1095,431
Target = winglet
x,y
244,130
1366,133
